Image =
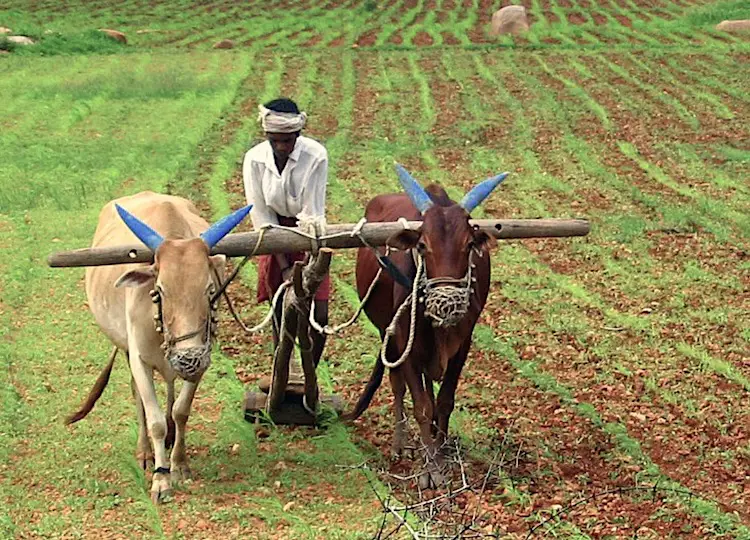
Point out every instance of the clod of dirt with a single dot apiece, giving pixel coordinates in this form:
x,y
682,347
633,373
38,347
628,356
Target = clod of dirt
x,y
224,44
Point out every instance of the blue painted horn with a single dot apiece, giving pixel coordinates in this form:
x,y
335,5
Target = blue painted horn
x,y
221,228
211,236
480,192
416,193
145,234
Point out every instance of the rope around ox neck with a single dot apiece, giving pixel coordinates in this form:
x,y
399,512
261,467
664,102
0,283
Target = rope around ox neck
x,y
445,303
410,300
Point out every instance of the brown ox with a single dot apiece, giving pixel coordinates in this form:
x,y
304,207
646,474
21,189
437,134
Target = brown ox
x,y
448,245
160,315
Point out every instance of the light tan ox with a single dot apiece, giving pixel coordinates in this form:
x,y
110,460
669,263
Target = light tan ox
x,y
160,315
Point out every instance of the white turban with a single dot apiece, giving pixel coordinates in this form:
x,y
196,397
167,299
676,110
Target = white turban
x,y
281,122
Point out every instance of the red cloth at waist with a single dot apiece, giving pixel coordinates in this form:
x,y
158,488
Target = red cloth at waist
x,y
269,272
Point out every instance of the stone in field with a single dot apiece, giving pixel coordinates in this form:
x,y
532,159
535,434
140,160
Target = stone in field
x,y
510,20
734,26
5,30
21,40
114,34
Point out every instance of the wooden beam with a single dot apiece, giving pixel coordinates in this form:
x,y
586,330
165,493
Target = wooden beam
x,y
284,241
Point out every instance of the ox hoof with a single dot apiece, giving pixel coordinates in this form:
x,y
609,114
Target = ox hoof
x,y
181,473
432,478
161,489
160,497
397,449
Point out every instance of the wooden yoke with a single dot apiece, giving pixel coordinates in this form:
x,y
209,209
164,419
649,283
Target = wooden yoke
x,y
297,303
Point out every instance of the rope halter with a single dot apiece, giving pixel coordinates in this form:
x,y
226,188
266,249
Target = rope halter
x,y
447,300
192,362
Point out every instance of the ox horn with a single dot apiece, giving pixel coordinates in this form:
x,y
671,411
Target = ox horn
x,y
221,228
480,192
145,234
416,193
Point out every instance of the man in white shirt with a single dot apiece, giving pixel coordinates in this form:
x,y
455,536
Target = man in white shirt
x,y
285,177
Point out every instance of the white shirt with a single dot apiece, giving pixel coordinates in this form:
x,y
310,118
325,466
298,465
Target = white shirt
x,y
299,190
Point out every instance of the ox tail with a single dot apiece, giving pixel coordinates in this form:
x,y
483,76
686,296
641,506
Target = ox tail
x,y
96,391
364,400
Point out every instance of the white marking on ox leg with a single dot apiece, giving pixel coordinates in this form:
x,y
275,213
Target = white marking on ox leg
x,y
157,423
180,414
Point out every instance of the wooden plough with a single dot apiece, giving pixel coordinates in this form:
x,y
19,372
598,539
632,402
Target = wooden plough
x,y
291,396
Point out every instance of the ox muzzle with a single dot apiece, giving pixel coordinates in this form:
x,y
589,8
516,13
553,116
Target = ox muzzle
x,y
447,300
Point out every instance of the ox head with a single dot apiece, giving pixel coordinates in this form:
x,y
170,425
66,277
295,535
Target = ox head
x,y
446,238
185,279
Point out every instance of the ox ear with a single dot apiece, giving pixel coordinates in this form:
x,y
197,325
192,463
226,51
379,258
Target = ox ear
x,y
218,262
483,240
136,278
404,240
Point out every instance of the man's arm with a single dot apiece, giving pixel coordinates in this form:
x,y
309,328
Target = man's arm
x,y
252,175
261,214
316,188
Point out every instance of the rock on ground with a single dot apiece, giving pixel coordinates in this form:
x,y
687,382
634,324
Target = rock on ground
x,y
510,20
734,26
114,34
21,40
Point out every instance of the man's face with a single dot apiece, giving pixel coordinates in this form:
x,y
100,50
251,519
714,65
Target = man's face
x,y
282,144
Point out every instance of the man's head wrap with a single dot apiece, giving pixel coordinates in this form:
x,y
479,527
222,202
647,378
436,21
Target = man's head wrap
x,y
281,122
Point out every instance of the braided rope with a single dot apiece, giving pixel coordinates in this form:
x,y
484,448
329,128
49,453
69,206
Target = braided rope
x,y
445,303
331,330
409,301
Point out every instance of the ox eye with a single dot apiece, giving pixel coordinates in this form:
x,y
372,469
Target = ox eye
x,y
421,247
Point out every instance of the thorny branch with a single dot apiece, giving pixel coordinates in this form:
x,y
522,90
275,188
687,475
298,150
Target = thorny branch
x,y
446,516
442,516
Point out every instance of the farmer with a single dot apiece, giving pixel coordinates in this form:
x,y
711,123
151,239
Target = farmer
x,y
285,178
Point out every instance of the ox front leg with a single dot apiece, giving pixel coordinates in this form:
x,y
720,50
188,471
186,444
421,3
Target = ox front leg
x,y
156,422
143,452
169,441
181,412
432,476
398,386
447,394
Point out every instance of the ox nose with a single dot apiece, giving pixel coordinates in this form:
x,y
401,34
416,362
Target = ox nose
x,y
190,363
